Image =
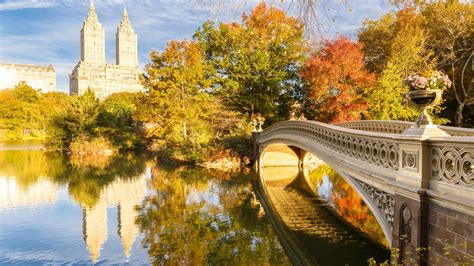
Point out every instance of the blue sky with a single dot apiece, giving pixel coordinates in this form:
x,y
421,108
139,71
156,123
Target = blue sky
x,y
47,32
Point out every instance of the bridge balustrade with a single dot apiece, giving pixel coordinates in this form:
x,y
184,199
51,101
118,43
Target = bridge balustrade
x,y
398,127
373,148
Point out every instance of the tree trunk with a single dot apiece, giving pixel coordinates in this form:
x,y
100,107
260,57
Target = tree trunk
x,y
183,108
458,117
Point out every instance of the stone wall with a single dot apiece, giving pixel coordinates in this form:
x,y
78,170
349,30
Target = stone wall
x,y
450,236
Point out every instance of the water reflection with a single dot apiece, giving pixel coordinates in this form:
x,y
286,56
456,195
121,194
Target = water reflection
x,y
36,179
318,213
332,187
123,194
127,209
13,195
198,217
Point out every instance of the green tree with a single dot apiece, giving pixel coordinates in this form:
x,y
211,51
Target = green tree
x,y
79,118
116,120
256,61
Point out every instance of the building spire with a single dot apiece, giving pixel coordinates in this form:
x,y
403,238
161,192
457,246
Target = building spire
x,y
92,16
125,23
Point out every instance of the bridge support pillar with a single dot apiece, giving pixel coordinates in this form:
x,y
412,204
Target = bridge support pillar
x,y
410,228
301,155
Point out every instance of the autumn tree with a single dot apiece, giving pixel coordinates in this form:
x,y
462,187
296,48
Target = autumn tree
x,y
336,81
256,61
177,102
406,54
20,116
56,103
412,41
377,37
450,36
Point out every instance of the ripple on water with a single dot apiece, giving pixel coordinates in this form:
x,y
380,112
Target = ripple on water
x,y
38,257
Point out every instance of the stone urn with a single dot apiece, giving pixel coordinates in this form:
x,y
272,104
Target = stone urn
x,y
424,100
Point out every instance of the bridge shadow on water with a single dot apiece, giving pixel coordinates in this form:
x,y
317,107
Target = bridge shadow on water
x,y
329,233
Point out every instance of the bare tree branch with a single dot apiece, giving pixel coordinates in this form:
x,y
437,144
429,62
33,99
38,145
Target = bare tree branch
x,y
305,10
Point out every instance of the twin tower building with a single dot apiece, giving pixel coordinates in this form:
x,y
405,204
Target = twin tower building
x,y
92,71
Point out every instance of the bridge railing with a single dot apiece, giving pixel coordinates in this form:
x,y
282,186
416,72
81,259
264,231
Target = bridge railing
x,y
370,147
380,126
452,161
398,127
451,158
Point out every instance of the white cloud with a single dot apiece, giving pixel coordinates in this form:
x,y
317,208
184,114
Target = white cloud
x,y
13,5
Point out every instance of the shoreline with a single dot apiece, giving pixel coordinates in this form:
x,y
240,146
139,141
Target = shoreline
x,y
21,145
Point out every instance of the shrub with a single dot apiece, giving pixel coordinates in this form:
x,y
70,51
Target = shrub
x,y
83,145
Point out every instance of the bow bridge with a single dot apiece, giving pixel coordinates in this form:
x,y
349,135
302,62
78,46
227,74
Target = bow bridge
x,y
418,182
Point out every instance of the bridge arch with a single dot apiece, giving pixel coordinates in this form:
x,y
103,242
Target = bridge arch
x,y
303,152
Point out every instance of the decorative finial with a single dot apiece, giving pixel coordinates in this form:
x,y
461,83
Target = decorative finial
x,y
92,4
125,13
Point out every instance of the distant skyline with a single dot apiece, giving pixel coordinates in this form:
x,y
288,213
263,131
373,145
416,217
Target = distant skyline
x,y
48,32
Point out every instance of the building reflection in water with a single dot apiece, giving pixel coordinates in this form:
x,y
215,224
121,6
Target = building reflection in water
x,y
13,194
125,194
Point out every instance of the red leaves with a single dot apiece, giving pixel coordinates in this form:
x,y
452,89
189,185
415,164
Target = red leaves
x,y
336,80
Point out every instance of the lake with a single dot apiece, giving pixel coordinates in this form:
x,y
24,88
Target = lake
x,y
133,209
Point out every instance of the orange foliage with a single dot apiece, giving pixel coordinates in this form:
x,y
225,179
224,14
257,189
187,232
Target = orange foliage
x,y
268,22
351,206
336,80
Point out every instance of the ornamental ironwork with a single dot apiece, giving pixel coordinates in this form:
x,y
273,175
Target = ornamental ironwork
x,y
384,201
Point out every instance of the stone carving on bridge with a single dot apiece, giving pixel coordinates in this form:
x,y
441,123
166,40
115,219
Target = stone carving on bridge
x,y
384,201
453,165
410,160
405,232
406,223
257,122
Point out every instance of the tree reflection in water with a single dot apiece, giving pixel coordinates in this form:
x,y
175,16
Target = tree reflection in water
x,y
85,177
346,201
198,216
